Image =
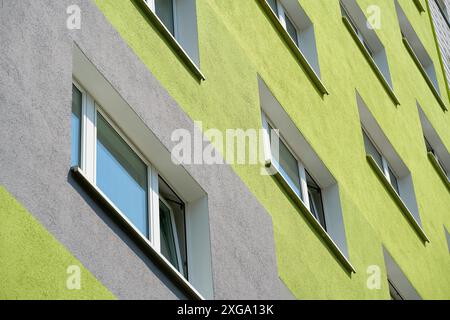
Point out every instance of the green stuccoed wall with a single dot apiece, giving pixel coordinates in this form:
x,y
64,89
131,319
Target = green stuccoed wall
x,y
237,41
33,263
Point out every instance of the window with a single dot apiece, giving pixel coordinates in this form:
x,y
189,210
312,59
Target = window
x,y
287,163
389,167
165,10
179,17
76,127
398,284
419,54
315,199
434,145
285,20
371,44
122,175
299,27
302,174
356,29
444,10
295,174
130,182
434,153
130,148
381,161
176,20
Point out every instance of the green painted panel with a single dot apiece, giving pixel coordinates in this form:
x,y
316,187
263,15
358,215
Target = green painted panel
x,y
237,41
34,265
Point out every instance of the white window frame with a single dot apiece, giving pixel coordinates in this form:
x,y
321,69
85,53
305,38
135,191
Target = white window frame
x,y
419,52
431,137
334,235
282,17
174,232
406,196
301,168
152,6
358,31
88,156
305,40
386,166
436,156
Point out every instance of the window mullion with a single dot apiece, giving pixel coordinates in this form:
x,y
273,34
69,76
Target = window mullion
x,y
266,141
153,208
386,169
303,185
88,137
281,15
151,4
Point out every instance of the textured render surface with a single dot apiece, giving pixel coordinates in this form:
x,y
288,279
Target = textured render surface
x,y
442,28
234,49
33,263
35,102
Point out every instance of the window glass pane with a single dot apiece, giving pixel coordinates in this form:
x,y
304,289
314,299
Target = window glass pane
x,y
177,207
430,149
164,10
315,199
76,127
394,181
273,5
372,150
287,165
121,175
168,246
290,28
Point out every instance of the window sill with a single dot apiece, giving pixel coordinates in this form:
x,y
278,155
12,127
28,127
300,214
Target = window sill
x,y
397,199
131,231
313,221
295,50
172,41
419,6
422,70
372,63
439,170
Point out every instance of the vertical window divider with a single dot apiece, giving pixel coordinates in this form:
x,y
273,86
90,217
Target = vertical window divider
x,y
386,168
89,122
266,141
153,209
303,185
281,14
151,4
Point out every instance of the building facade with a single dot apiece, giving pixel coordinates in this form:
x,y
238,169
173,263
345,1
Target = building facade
x,y
440,13
116,180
